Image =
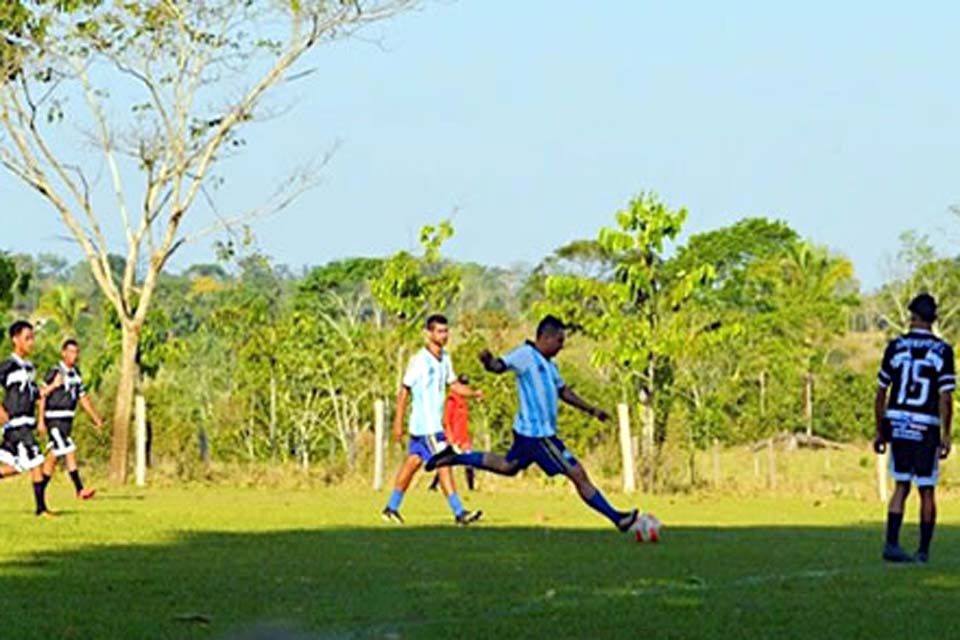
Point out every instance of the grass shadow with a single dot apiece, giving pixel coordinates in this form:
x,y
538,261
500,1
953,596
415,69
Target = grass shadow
x,y
408,582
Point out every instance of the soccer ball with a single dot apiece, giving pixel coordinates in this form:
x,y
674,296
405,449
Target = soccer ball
x,y
646,528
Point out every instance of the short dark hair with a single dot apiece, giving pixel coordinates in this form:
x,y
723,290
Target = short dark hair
x,y
924,307
435,319
19,327
463,378
550,325
69,342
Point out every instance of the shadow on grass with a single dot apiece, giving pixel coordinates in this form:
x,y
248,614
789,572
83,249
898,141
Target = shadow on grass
x,y
411,582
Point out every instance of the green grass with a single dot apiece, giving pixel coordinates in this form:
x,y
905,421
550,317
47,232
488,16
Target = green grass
x,y
203,562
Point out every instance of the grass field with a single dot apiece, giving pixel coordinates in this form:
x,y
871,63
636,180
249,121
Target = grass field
x,y
205,562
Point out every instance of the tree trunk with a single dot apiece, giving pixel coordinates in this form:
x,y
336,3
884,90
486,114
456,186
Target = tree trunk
x,y
808,403
123,410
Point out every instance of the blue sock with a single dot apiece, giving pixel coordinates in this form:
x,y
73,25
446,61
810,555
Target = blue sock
x,y
395,499
454,501
600,504
470,459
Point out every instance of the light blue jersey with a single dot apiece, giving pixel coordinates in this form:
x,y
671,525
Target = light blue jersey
x,y
538,387
427,378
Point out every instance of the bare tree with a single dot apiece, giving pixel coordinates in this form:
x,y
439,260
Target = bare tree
x,y
184,77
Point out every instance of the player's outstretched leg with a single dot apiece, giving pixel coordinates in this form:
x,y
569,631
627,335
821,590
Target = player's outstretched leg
x,y
928,520
477,459
892,552
590,494
460,515
391,513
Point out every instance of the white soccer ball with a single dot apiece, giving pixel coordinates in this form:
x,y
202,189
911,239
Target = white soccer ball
x,y
646,528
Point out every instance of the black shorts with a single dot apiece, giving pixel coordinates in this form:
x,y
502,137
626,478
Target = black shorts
x,y
915,461
60,441
20,449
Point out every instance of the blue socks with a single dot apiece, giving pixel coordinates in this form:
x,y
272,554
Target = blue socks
x,y
598,503
454,501
395,499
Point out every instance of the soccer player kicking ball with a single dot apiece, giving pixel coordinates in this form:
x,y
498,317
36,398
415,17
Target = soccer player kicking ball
x,y
429,373
918,369
535,440
57,412
19,451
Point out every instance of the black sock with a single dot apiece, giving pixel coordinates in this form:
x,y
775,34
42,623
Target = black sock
x,y
926,535
77,482
435,483
38,489
894,520
471,478
46,480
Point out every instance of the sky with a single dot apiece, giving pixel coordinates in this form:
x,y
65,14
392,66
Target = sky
x,y
530,123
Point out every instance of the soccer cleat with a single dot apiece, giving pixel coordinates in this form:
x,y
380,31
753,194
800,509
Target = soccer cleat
x,y
86,494
921,557
391,516
627,523
441,459
47,515
895,553
467,518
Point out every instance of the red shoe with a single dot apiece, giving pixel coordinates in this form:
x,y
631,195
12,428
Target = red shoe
x,y
86,494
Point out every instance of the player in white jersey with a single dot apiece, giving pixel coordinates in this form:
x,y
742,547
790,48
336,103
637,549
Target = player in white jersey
x,y
540,389
425,383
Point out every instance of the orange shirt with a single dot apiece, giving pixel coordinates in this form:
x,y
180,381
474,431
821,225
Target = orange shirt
x,y
456,420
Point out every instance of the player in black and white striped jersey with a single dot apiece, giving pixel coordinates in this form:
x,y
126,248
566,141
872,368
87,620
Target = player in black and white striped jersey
x,y
919,373
57,412
19,451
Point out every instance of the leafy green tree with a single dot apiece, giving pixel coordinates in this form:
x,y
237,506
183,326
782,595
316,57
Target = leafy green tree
x,y
157,67
626,313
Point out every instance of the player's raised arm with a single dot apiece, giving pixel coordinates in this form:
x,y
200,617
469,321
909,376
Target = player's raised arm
x,y
492,363
569,396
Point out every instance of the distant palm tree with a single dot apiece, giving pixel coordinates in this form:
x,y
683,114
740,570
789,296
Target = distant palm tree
x,y
61,305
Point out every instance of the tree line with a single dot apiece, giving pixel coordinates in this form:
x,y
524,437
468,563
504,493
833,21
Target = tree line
x,y
730,336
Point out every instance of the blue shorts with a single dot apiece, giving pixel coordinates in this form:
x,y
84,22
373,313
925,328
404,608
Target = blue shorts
x,y
550,454
425,447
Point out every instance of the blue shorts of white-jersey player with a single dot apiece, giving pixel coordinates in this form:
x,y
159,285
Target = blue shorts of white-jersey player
x,y
540,389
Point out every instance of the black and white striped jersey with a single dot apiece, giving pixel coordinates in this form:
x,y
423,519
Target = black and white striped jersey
x,y
917,368
19,380
61,404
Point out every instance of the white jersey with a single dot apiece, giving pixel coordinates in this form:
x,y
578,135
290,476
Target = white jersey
x,y
427,378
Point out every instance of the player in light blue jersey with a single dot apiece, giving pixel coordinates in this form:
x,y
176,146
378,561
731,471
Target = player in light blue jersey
x,y
425,383
540,389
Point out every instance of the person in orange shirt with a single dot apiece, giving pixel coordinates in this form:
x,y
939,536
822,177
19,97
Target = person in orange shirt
x,y
456,426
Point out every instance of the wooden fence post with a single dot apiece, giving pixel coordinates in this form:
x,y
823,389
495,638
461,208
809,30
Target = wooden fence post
x,y
626,449
882,466
717,474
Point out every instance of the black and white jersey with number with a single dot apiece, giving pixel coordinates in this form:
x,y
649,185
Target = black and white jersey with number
x,y
917,368
61,404
20,392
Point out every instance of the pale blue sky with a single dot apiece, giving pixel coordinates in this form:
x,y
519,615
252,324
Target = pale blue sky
x,y
535,120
